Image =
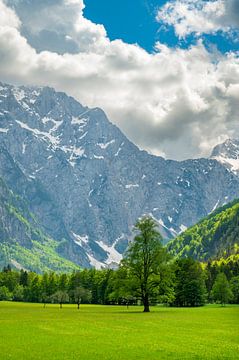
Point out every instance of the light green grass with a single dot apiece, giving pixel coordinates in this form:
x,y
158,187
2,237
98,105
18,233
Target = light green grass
x,y
30,332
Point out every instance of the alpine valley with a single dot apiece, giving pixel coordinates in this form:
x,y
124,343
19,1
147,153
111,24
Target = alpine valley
x,y
72,185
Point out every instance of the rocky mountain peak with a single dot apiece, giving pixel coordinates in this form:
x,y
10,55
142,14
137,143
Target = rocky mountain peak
x,y
227,154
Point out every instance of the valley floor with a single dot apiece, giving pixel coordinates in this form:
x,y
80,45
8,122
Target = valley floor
x,y
30,332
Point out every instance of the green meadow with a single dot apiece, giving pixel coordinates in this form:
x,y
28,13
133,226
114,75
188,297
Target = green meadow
x,y
31,332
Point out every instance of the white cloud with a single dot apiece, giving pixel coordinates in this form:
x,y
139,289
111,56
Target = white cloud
x,y
176,102
57,25
200,17
8,16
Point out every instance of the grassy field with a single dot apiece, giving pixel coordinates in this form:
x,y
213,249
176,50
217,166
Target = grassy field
x,y
30,332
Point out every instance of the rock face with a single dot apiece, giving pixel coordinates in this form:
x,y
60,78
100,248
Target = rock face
x,y
228,155
87,184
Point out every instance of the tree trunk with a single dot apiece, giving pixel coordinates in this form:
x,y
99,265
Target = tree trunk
x,y
78,305
146,303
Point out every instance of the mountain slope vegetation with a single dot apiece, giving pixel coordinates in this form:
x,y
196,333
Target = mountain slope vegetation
x,y
22,243
216,236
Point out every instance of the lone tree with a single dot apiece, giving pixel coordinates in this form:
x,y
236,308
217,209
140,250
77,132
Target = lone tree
x,y
145,261
60,297
80,295
221,290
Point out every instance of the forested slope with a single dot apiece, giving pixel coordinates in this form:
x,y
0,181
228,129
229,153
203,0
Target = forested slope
x,y
214,237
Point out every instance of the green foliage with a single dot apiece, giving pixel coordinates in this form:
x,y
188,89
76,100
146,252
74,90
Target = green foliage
x,y
190,289
5,294
60,297
18,293
234,285
81,294
215,236
145,263
40,257
22,243
221,290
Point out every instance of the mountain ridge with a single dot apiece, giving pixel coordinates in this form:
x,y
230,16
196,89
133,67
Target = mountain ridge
x,y
88,184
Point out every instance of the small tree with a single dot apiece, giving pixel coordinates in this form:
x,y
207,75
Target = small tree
x,y
144,261
18,293
5,294
80,295
60,297
221,290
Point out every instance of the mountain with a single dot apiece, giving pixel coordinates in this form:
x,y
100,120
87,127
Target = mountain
x,y
87,184
22,243
214,237
228,155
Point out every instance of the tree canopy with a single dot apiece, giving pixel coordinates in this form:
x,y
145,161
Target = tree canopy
x,y
145,262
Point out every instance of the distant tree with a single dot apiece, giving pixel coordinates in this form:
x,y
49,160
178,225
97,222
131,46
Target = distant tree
x,y
190,289
5,294
221,290
145,261
60,297
234,284
122,287
34,289
7,268
23,278
80,295
18,293
63,282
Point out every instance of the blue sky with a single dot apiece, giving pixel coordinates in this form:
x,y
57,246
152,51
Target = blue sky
x,y
134,21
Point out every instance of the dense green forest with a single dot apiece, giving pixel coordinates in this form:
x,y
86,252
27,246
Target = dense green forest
x,y
188,283
214,237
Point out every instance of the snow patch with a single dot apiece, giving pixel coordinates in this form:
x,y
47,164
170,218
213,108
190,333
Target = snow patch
x,y
18,93
80,239
95,263
129,186
113,255
233,164
4,130
24,148
82,122
120,148
183,228
46,136
104,146
215,206
82,137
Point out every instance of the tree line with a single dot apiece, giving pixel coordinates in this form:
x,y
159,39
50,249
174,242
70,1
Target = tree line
x,y
147,275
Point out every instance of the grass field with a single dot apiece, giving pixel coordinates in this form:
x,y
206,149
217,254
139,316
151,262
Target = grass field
x,y
30,332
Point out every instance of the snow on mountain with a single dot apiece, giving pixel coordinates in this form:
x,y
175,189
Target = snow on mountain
x,y
87,184
228,154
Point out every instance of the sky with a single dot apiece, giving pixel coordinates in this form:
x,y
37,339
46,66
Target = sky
x,y
166,72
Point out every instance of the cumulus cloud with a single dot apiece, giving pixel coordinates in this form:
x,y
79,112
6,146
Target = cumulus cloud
x,y
200,17
174,102
57,25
